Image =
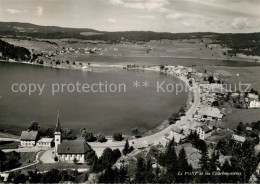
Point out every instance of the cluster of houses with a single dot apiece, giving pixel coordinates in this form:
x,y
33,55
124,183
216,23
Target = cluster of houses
x,y
63,150
246,100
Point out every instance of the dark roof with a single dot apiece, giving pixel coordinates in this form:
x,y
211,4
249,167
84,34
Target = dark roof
x,y
205,128
29,135
73,147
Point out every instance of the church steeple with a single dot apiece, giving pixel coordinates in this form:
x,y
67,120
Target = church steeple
x,y
58,128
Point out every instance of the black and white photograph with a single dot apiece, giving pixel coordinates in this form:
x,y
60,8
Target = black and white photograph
x,y
129,91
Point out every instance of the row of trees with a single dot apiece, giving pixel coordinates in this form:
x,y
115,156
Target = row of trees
x,y
90,137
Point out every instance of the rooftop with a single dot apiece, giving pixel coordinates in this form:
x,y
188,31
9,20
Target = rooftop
x,y
210,111
73,147
29,135
238,138
205,128
45,140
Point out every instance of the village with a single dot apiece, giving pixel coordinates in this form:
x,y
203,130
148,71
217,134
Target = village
x,y
203,116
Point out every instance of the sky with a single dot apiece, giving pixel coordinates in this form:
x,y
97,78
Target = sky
x,y
139,15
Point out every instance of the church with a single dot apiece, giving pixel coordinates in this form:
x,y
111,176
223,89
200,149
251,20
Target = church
x,y
69,150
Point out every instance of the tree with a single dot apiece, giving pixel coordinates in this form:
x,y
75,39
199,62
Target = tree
x,y
241,127
139,172
83,132
183,166
109,176
215,103
117,136
204,162
122,175
109,157
94,167
34,126
149,176
65,132
171,163
126,148
89,136
162,67
135,132
56,159
2,159
101,137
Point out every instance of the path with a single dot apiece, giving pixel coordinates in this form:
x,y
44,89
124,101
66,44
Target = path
x,y
34,149
24,167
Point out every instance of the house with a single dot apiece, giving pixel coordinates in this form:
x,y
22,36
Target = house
x,y
254,104
209,113
238,138
249,129
45,143
252,97
69,150
28,138
203,131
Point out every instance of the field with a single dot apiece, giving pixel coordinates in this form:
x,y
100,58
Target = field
x,y
27,158
241,115
236,75
8,145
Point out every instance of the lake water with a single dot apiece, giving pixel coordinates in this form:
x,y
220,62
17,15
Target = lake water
x,y
140,107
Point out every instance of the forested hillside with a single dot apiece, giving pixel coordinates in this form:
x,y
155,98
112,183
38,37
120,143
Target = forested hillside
x,y
8,51
245,43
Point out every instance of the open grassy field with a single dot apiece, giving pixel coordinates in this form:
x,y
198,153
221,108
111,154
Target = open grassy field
x,y
27,158
236,75
8,145
241,115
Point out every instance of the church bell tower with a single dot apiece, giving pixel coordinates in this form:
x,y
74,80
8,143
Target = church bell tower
x,y
57,134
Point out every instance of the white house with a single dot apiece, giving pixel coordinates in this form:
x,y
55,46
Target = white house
x,y
28,138
45,143
254,104
209,113
252,97
238,138
203,131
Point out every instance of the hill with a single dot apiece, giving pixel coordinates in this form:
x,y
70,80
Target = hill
x,y
245,43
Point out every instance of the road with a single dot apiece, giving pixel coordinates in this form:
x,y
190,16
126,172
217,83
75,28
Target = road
x,y
148,140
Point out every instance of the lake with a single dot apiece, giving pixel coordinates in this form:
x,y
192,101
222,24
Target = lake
x,y
108,112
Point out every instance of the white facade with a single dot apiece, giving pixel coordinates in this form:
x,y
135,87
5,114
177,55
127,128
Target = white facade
x,y
45,143
202,134
70,157
27,144
254,104
57,140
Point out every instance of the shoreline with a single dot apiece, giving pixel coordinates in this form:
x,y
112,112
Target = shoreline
x,y
162,125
